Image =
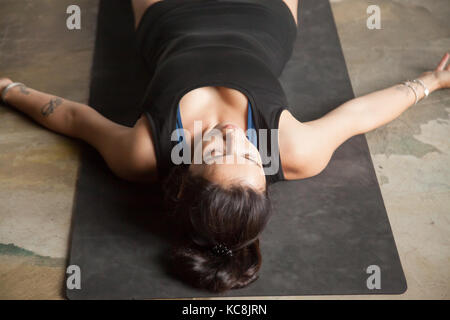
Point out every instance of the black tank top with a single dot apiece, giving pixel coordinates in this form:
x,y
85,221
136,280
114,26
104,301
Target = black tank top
x,y
239,44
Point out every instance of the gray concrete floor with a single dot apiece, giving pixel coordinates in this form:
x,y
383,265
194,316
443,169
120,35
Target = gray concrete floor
x,y
411,155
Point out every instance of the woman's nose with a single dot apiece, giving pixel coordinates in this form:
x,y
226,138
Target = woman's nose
x,y
235,142
230,143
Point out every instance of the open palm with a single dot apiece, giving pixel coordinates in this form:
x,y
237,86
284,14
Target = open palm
x,y
442,72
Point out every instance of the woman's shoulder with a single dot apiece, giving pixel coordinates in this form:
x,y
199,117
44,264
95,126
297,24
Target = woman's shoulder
x,y
143,150
298,146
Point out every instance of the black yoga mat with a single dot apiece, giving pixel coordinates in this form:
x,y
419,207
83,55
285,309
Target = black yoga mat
x,y
326,230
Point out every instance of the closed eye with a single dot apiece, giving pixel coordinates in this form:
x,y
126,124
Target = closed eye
x,y
249,157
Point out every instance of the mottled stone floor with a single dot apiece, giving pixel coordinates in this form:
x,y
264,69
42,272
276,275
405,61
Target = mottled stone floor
x,y
38,168
411,154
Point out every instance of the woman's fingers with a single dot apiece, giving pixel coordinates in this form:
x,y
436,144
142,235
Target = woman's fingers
x,y
443,62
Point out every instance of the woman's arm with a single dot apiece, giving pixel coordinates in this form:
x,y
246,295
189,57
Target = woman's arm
x,y
127,151
357,116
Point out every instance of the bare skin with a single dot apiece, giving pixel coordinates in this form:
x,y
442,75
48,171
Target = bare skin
x,y
129,151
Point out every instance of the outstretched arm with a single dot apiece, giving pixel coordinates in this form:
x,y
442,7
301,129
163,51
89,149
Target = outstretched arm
x,y
127,151
357,116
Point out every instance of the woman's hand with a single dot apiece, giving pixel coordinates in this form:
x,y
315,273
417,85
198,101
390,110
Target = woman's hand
x,y
441,73
4,82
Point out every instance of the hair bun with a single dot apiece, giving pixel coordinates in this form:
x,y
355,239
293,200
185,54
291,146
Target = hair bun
x,y
217,272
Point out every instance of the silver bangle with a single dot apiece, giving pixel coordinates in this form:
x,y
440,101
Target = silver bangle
x,y
425,89
408,84
9,86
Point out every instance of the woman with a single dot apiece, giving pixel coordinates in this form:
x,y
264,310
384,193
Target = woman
x,y
217,61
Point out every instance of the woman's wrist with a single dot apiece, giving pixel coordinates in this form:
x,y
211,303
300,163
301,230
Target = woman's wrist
x,y
4,82
431,81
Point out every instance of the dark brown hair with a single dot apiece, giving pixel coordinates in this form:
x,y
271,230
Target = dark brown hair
x,y
210,215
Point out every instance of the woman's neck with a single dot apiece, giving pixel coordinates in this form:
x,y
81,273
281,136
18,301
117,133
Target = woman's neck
x,y
213,105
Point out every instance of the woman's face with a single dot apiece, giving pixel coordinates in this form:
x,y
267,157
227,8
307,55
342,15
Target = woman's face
x,y
229,157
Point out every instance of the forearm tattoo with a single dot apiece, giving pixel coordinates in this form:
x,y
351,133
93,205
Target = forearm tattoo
x,y
50,106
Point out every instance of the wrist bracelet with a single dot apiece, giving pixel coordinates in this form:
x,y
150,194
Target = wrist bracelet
x,y
425,89
9,86
408,84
